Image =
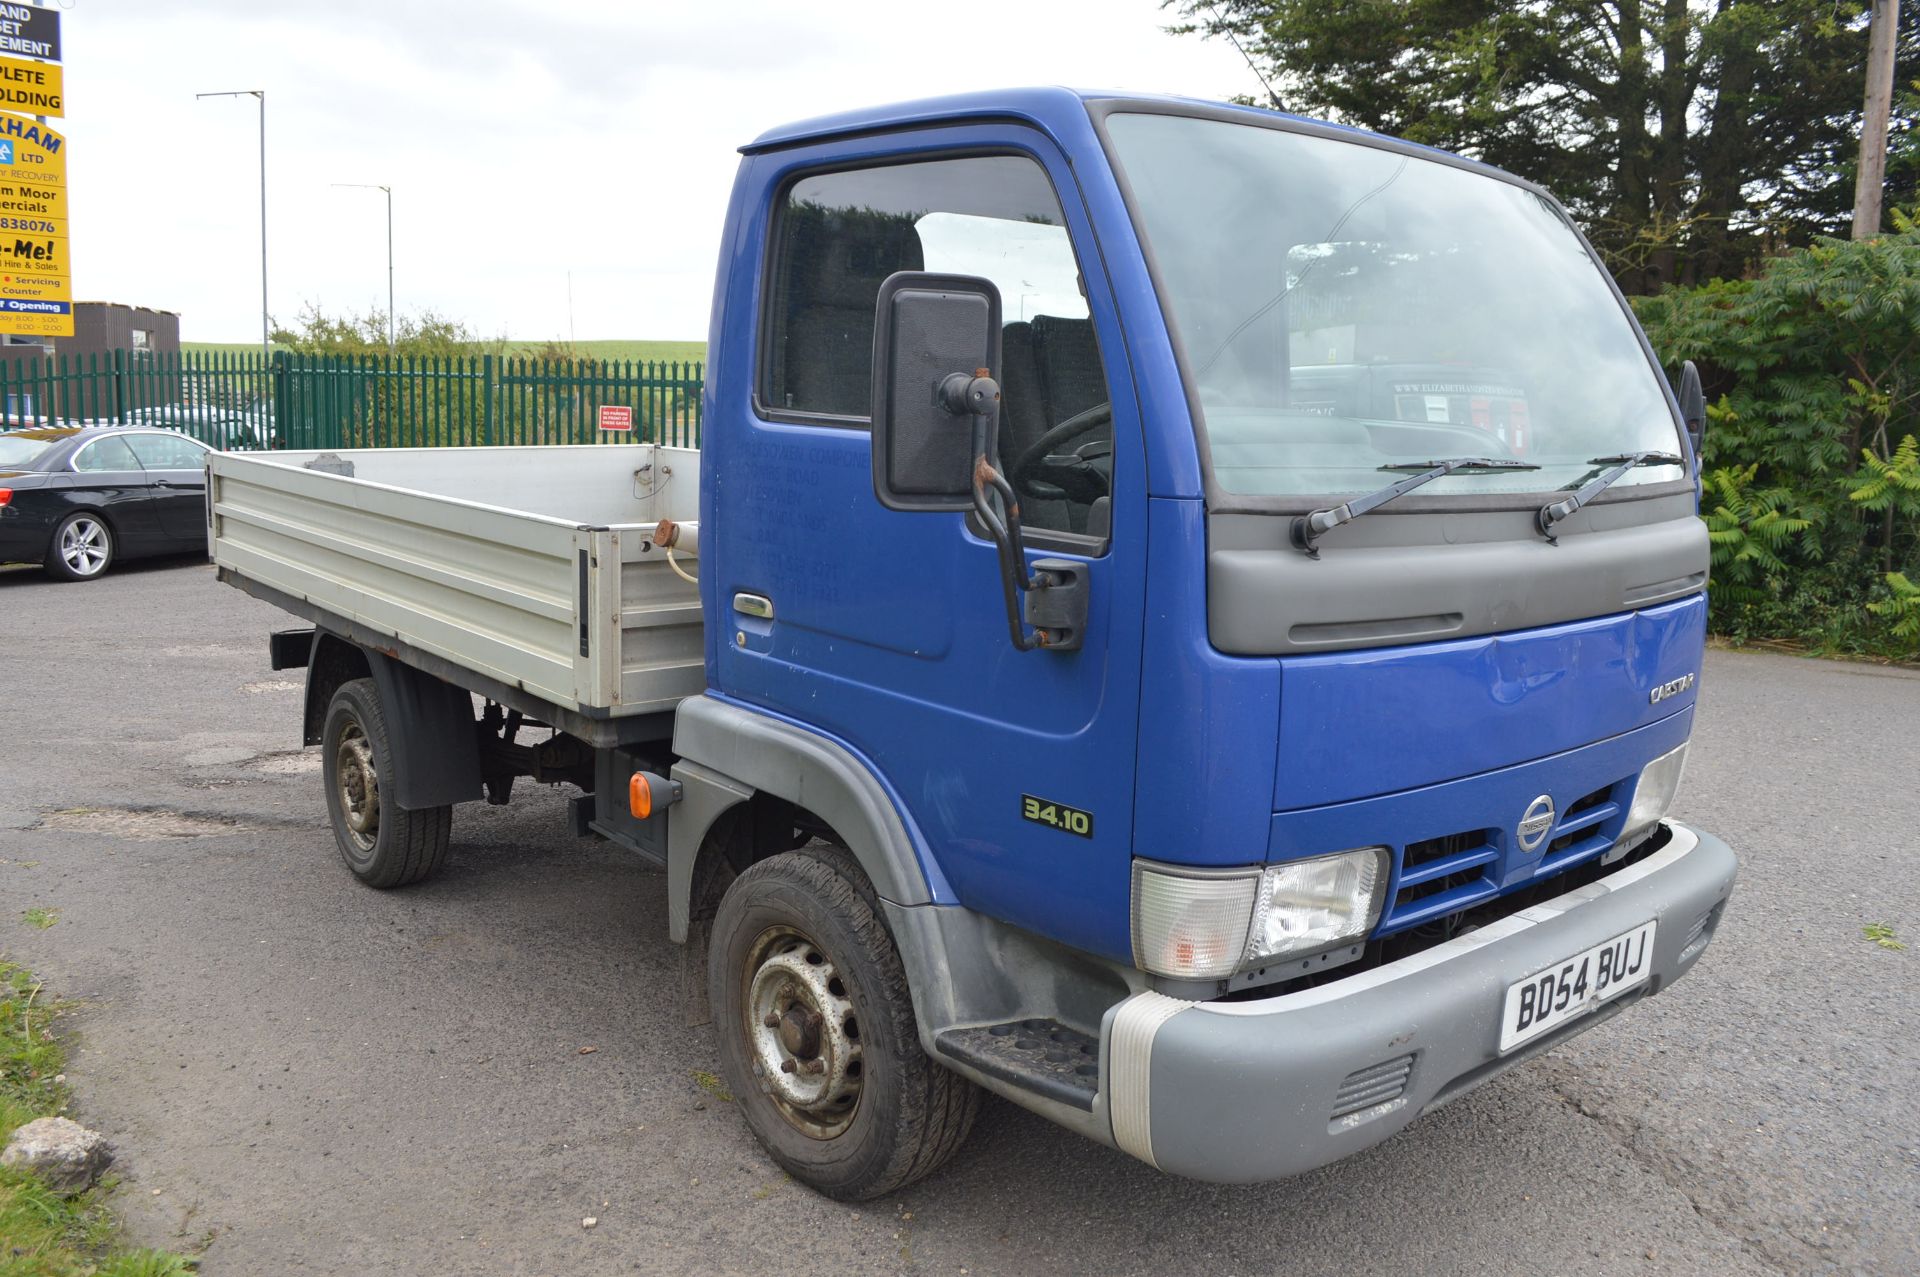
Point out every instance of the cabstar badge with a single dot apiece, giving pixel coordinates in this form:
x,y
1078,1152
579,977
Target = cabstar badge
x,y
1674,688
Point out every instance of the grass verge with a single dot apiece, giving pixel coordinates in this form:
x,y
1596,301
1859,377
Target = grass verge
x,y
44,1233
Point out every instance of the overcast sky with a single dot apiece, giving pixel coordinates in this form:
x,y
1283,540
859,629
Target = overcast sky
x,y
522,140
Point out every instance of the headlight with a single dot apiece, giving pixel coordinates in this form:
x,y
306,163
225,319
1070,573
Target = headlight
x,y
1307,905
1209,924
1653,796
1191,923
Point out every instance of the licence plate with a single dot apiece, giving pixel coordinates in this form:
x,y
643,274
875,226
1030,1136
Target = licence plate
x,y
1551,997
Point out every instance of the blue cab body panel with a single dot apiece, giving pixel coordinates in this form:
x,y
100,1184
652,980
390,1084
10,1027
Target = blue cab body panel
x,y
1378,721
887,636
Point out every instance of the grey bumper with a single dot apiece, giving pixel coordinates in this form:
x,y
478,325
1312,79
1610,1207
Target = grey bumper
x,y
1249,1091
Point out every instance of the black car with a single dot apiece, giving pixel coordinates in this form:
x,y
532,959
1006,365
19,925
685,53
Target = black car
x,y
75,498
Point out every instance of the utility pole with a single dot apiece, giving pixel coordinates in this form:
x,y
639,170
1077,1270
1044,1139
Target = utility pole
x,y
1871,183
266,344
388,192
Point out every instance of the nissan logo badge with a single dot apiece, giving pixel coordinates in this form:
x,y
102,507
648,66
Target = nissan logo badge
x,y
1535,824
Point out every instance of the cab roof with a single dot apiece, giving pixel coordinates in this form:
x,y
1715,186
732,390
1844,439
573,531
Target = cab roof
x,y
1041,106
1060,112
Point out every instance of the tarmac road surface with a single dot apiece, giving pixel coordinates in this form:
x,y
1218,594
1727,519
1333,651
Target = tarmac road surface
x,y
304,1076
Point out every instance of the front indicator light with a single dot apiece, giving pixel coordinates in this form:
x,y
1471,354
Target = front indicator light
x,y
1653,797
1191,923
1305,906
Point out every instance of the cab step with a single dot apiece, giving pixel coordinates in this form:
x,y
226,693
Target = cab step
x,y
1043,1056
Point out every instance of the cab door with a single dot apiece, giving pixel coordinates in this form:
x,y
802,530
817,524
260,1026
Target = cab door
x,y
888,631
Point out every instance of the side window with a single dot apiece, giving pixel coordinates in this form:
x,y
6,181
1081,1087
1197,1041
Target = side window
x,y
168,452
110,453
838,237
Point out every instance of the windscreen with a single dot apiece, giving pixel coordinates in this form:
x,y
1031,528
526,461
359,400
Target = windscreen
x,y
1345,309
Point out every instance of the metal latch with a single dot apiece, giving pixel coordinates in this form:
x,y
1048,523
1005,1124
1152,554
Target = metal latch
x,y
754,605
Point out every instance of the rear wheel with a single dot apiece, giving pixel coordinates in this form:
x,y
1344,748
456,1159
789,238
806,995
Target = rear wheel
x,y
817,1035
82,548
384,844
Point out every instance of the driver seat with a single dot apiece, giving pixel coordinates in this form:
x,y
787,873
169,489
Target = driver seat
x,y
1024,417
1051,371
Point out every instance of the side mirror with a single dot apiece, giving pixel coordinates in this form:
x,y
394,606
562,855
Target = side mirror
x,y
1693,405
926,328
936,440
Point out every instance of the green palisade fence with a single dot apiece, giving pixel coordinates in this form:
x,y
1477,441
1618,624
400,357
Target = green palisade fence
x,y
239,400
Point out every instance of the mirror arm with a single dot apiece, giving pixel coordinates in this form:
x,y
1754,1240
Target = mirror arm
x,y
978,396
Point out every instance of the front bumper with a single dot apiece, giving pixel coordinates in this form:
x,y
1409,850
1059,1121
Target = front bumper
x,y
1239,1092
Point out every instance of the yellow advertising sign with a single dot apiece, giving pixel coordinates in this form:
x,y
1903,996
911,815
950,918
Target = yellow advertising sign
x,y
32,88
36,279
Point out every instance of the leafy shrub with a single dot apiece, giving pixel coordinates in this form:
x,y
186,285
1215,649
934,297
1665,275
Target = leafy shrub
x,y
1812,454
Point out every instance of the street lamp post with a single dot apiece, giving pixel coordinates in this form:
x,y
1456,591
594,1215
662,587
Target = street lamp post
x,y
388,191
266,351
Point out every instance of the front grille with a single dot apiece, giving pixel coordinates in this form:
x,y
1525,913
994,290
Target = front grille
x,y
1428,850
1376,1084
1440,874
1577,821
1436,887
1438,878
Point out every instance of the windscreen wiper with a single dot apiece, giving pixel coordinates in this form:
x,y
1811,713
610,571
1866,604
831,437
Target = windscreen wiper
x,y
1309,528
1554,512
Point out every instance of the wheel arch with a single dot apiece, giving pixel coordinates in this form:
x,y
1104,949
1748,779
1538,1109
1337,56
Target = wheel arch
x,y
430,723
738,768
66,512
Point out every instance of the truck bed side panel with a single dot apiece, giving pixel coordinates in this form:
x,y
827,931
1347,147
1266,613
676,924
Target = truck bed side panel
x,y
590,618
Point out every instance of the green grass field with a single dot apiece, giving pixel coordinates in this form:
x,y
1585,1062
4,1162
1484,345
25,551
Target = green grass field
x,y
659,351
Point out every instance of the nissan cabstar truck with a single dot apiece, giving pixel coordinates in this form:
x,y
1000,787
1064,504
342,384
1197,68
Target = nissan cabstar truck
x,y
1182,617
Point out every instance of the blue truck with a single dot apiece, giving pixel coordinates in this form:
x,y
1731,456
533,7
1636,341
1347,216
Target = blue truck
x,y
1183,617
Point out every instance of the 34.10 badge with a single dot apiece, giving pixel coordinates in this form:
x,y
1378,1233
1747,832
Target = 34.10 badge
x,y
1059,816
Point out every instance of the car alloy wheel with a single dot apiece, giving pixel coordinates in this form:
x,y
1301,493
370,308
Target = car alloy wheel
x,y
85,546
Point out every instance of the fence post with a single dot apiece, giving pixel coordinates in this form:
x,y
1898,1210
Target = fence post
x,y
283,423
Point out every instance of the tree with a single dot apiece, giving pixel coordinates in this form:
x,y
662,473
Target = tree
x,y
424,334
1689,136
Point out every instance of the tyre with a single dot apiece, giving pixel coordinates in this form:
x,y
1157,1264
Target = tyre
x,y
81,549
385,845
816,1031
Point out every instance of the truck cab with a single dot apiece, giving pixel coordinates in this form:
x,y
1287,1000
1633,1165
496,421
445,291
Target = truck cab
x,y
1237,880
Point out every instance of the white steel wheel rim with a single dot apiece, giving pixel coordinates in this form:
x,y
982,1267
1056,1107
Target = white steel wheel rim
x,y
803,1033
357,785
83,546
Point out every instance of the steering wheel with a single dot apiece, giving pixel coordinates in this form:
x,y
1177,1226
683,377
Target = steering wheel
x,y
1039,471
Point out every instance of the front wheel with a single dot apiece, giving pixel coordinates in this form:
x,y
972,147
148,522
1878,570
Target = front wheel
x,y
82,548
817,1035
384,844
